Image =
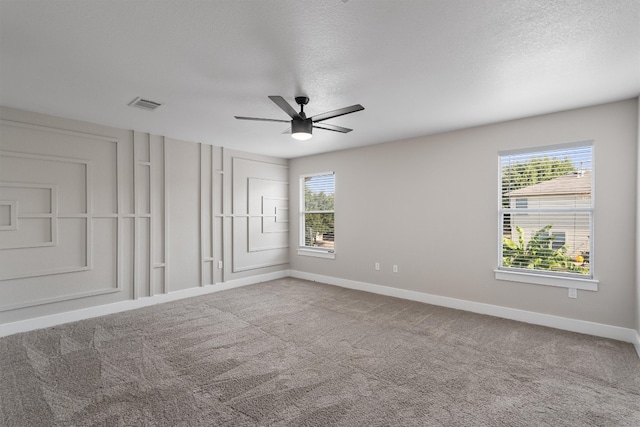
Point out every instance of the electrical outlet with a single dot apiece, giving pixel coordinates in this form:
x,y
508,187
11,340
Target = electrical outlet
x,y
395,268
377,266
573,293
219,264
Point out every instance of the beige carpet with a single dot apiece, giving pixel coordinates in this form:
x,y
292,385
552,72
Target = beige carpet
x,y
297,353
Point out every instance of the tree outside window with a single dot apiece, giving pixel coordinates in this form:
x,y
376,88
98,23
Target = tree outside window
x,y
318,215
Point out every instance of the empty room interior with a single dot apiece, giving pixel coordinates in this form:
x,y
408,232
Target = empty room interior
x,y
319,213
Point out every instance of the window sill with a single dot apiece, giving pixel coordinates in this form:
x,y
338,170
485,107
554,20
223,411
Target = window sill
x,y
547,280
318,253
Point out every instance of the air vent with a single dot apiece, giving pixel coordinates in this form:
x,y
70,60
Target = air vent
x,y
145,104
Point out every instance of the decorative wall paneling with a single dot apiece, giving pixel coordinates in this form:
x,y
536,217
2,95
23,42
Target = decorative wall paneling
x,y
207,197
217,213
8,215
150,268
259,213
87,219
54,221
159,226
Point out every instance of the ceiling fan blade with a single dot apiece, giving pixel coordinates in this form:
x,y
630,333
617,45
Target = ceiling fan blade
x,y
337,113
334,128
280,102
261,120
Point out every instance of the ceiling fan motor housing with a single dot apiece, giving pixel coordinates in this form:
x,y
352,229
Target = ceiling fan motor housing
x,y
301,125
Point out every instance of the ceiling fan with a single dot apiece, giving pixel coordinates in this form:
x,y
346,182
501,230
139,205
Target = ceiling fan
x,y
301,126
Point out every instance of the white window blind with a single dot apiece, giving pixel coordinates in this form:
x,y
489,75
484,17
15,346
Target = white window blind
x,y
546,211
317,212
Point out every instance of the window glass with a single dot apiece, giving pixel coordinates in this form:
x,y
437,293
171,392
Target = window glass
x,y
317,209
546,210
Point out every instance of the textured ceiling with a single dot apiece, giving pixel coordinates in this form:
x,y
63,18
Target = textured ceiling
x,y
418,67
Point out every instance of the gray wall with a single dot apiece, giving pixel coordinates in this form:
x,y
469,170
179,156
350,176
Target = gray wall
x,y
91,215
638,231
429,205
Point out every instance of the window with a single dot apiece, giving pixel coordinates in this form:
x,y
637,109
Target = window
x,y
546,216
317,233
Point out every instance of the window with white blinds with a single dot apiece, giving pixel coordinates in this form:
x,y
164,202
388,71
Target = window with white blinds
x,y
317,215
546,211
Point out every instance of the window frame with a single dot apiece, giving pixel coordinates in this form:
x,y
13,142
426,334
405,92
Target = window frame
x,y
310,250
541,277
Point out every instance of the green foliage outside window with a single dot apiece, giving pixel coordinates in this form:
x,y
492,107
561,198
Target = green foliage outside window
x,y
533,171
538,253
317,223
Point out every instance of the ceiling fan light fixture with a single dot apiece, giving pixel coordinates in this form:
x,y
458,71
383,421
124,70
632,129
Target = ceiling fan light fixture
x,y
301,129
301,136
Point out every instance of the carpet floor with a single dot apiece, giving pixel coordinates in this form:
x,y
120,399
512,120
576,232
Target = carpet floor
x,y
296,353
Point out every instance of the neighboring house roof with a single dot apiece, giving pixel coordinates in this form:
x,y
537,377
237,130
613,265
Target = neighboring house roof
x,y
571,183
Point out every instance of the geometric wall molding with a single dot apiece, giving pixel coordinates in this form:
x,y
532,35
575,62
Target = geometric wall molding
x,y
8,214
47,246
260,218
134,215
40,214
150,214
275,214
210,226
268,213
21,192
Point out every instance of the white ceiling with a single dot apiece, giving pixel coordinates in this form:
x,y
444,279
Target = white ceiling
x,y
418,67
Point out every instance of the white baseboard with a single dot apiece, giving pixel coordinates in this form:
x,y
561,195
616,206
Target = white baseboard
x,y
117,307
581,326
564,323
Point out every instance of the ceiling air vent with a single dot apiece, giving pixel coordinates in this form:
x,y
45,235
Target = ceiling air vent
x,y
145,104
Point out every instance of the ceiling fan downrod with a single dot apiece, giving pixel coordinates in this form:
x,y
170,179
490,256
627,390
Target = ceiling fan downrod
x,y
302,101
